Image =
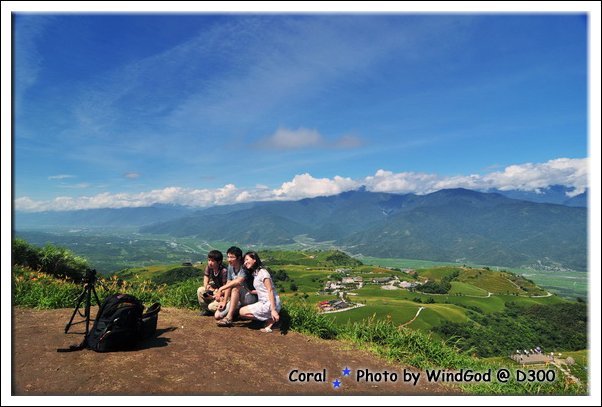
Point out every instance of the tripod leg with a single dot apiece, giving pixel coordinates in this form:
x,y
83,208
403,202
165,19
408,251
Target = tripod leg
x,y
87,313
79,301
96,296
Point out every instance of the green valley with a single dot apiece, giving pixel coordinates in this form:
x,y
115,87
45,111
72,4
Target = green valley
x,y
477,300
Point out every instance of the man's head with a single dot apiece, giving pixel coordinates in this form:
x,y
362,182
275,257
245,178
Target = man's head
x,y
234,256
214,259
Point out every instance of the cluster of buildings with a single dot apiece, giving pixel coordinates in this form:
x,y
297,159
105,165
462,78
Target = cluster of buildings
x,y
344,283
333,305
386,282
391,283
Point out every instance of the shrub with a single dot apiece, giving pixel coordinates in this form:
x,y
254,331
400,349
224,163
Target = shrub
x,y
53,260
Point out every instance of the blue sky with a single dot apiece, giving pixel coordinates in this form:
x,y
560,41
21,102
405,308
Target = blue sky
x,y
113,110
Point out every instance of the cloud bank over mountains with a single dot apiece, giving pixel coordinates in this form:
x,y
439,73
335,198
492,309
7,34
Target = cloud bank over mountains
x,y
571,173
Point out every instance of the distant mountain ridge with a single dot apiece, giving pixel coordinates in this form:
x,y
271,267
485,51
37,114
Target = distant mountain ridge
x,y
557,194
456,225
138,216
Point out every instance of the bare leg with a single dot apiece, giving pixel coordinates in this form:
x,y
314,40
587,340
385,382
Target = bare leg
x,y
221,314
268,324
234,300
245,313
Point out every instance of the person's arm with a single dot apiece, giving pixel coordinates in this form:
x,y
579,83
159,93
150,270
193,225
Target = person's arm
x,y
231,284
268,286
208,288
223,297
224,291
206,284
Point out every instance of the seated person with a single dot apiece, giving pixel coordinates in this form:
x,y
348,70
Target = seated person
x,y
268,305
215,277
237,290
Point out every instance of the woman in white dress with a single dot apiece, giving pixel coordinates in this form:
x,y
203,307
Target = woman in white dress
x,y
268,305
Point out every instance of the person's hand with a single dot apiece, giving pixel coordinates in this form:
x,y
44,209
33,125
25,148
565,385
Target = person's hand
x,y
275,315
221,307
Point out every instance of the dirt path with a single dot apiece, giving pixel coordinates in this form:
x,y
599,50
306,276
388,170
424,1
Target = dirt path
x,y
179,360
415,316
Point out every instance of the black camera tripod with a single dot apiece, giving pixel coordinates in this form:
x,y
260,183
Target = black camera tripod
x,y
89,282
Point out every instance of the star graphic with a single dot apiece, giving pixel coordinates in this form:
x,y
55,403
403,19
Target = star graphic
x,y
346,371
336,384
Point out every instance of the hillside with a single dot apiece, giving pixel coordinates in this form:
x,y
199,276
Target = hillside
x,y
305,274
174,362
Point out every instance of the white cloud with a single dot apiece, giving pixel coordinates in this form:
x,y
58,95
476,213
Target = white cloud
x,y
63,176
76,186
347,141
527,177
288,139
406,182
132,175
306,186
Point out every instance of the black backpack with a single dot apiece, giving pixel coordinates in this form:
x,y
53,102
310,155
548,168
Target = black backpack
x,y
117,324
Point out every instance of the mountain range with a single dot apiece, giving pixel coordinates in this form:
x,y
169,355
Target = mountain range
x,y
455,225
105,217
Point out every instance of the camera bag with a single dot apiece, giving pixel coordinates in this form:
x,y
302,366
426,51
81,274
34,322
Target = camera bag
x,y
117,325
149,320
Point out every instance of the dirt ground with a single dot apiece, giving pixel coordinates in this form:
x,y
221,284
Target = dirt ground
x,y
190,355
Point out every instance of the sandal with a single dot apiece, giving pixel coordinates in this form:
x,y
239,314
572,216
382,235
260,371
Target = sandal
x,y
225,322
266,330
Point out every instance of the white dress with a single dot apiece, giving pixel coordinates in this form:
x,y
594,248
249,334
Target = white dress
x,y
262,309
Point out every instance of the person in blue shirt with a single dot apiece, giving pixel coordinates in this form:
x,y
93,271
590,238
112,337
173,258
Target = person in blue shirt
x,y
237,290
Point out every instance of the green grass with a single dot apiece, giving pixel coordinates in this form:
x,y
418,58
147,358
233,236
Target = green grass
x,y
398,313
437,273
403,263
459,288
571,285
492,281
